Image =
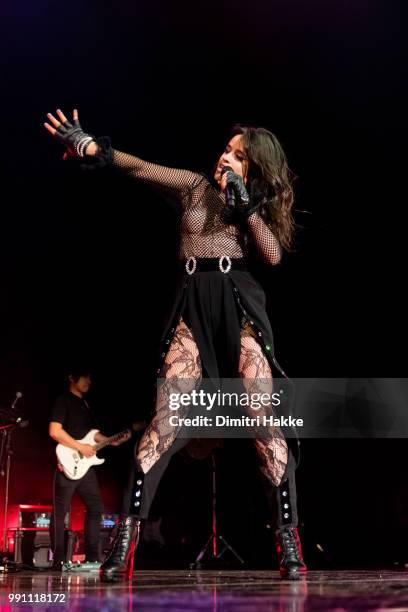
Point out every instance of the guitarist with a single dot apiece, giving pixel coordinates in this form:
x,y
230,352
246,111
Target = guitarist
x,y
71,419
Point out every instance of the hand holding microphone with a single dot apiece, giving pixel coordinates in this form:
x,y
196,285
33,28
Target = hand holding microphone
x,y
235,190
236,196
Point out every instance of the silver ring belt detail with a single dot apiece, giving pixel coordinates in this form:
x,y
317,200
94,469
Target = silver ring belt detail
x,y
214,264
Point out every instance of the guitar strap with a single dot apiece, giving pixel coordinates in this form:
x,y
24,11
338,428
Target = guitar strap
x,y
91,414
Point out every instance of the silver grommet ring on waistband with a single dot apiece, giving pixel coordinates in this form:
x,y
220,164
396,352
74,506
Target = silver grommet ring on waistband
x,y
221,264
192,260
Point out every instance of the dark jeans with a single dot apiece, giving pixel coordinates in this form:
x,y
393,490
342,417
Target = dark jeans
x,y
282,500
88,489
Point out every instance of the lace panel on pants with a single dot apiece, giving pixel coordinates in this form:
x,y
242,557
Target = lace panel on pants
x,y
256,375
181,373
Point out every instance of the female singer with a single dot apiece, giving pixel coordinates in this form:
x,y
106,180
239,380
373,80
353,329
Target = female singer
x,y
218,326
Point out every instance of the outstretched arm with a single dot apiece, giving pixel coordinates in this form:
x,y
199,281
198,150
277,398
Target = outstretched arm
x,y
81,144
171,179
266,242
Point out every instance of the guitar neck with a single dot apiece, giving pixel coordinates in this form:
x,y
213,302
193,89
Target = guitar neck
x,y
117,436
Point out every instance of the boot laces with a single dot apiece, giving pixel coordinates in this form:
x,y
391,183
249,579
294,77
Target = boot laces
x,y
289,542
118,540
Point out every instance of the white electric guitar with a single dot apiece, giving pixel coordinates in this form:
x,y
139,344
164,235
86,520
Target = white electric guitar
x,y
74,464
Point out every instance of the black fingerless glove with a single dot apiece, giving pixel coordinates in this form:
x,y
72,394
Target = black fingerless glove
x,y
77,141
242,208
73,137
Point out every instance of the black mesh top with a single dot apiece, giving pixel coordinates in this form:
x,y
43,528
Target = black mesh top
x,y
204,233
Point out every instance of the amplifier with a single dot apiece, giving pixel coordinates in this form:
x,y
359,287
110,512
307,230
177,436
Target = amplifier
x,y
29,539
108,522
32,546
32,515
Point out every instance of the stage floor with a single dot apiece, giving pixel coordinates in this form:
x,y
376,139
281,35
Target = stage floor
x,y
223,591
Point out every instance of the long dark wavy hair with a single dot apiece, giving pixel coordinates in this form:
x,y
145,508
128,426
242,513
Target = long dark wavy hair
x,y
269,180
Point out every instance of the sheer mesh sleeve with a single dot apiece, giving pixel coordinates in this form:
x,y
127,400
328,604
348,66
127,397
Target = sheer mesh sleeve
x,y
176,182
266,242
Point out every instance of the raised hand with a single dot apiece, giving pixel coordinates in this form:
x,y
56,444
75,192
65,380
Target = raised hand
x,y
70,134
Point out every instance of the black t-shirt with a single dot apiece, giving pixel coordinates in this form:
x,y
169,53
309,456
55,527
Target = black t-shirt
x,y
74,414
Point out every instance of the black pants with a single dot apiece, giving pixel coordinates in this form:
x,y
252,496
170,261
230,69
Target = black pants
x,y
88,489
282,501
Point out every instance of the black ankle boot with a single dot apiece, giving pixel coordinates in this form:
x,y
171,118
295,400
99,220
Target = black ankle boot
x,y
289,549
118,564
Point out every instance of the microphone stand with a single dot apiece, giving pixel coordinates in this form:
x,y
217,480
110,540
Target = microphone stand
x,y
211,546
5,455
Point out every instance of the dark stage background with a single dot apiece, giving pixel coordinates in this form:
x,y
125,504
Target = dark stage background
x,y
88,259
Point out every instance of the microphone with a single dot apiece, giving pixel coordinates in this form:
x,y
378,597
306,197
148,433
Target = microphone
x,y
18,396
229,191
22,422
